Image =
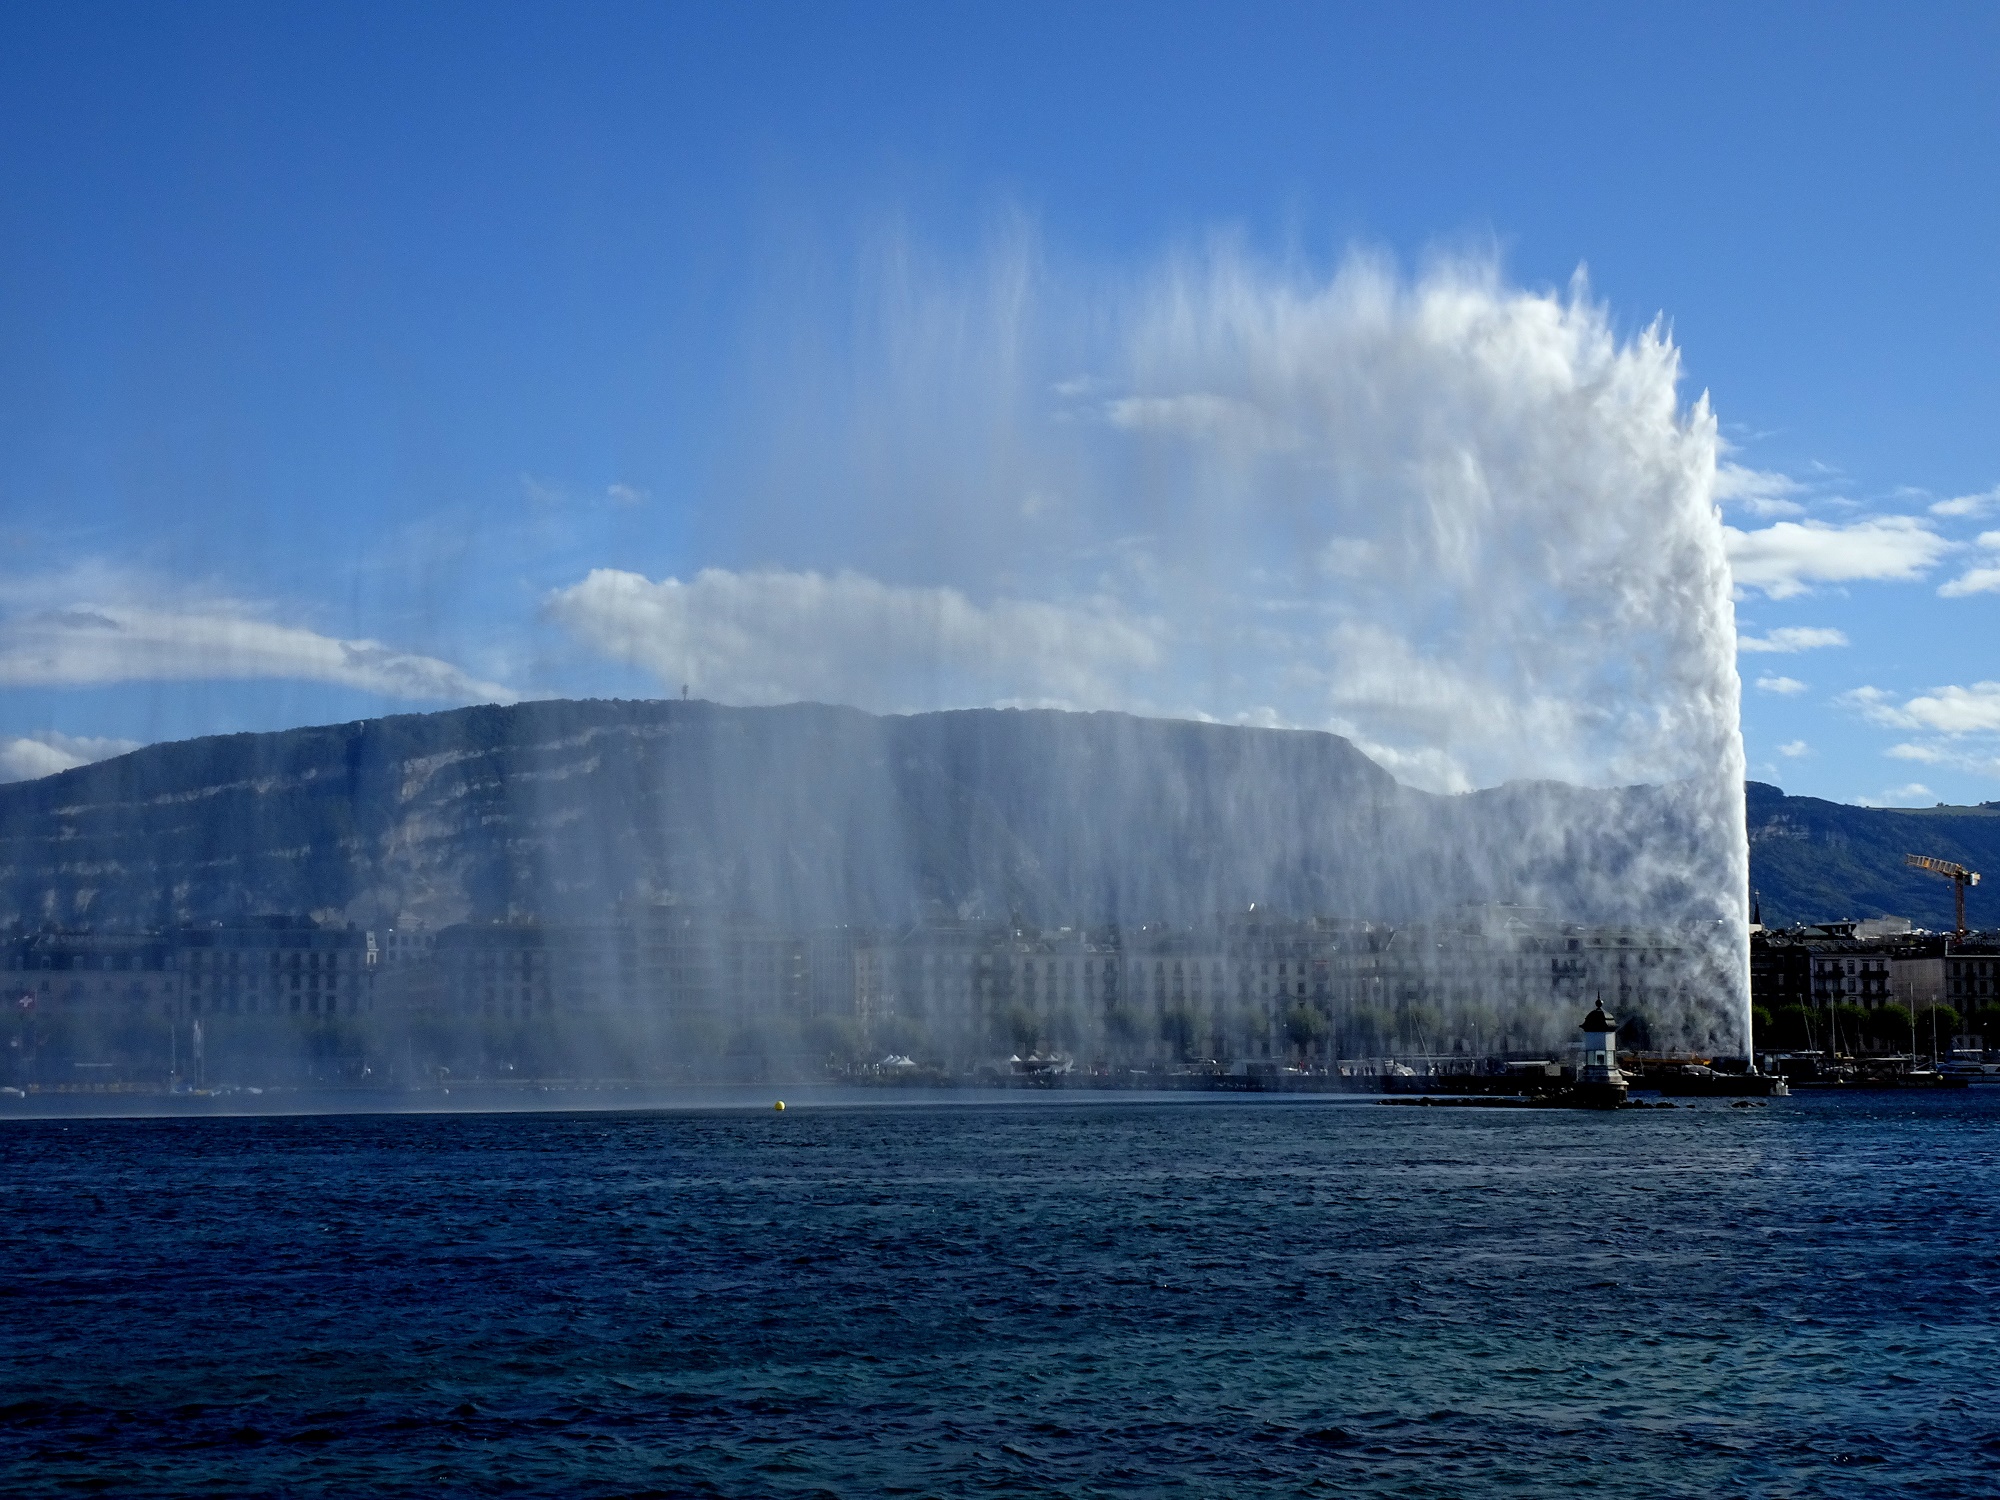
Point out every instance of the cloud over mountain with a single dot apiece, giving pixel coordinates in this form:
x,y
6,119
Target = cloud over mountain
x,y
45,752
1983,578
88,643
1791,638
1788,558
775,636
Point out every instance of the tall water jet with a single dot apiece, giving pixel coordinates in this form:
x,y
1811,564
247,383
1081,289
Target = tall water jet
x,y
1504,521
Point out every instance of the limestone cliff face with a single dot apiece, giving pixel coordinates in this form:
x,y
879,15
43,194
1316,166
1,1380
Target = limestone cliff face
x,y
801,815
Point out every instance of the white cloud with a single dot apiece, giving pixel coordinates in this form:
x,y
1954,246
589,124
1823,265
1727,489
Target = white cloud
x,y
1900,796
541,491
1955,710
1201,414
45,752
1972,581
553,494
1795,749
1984,580
1788,558
1951,713
1969,505
1785,686
1946,753
776,636
1760,492
1430,766
85,644
1790,638
1420,714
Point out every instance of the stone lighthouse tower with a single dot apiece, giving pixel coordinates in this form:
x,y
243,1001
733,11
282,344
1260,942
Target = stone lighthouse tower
x,y
1598,1081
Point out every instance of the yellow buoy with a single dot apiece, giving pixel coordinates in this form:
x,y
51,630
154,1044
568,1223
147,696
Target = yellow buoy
x,y
779,1105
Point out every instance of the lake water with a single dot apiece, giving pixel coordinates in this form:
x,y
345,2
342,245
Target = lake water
x,y
1048,1295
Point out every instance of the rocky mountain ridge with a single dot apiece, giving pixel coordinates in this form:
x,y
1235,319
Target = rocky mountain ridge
x,y
806,815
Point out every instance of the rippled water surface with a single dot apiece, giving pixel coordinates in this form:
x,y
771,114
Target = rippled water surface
x,y
1206,1296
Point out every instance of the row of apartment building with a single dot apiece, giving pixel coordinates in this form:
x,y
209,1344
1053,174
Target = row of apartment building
x,y
1247,985
1236,988
1871,964
270,965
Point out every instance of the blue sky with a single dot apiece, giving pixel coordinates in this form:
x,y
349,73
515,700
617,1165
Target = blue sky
x,y
341,346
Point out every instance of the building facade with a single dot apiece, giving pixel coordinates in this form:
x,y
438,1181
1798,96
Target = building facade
x,y
1248,987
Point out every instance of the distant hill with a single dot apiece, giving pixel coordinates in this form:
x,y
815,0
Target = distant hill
x,y
1825,861
805,815
808,814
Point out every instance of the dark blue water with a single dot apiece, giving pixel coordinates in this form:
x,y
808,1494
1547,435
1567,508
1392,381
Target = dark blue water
x,y
1206,1297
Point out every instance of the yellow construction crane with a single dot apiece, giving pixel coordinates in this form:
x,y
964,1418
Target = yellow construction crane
x,y
1958,875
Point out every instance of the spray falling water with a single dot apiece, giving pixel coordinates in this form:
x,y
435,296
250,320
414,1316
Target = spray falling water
x,y
1467,526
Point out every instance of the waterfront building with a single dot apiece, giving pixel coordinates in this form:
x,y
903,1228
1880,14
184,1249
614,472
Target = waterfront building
x,y
94,1009
1918,969
1972,974
261,966
1871,964
139,974
277,966
831,972
497,970
968,990
1847,971
1249,986
692,964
